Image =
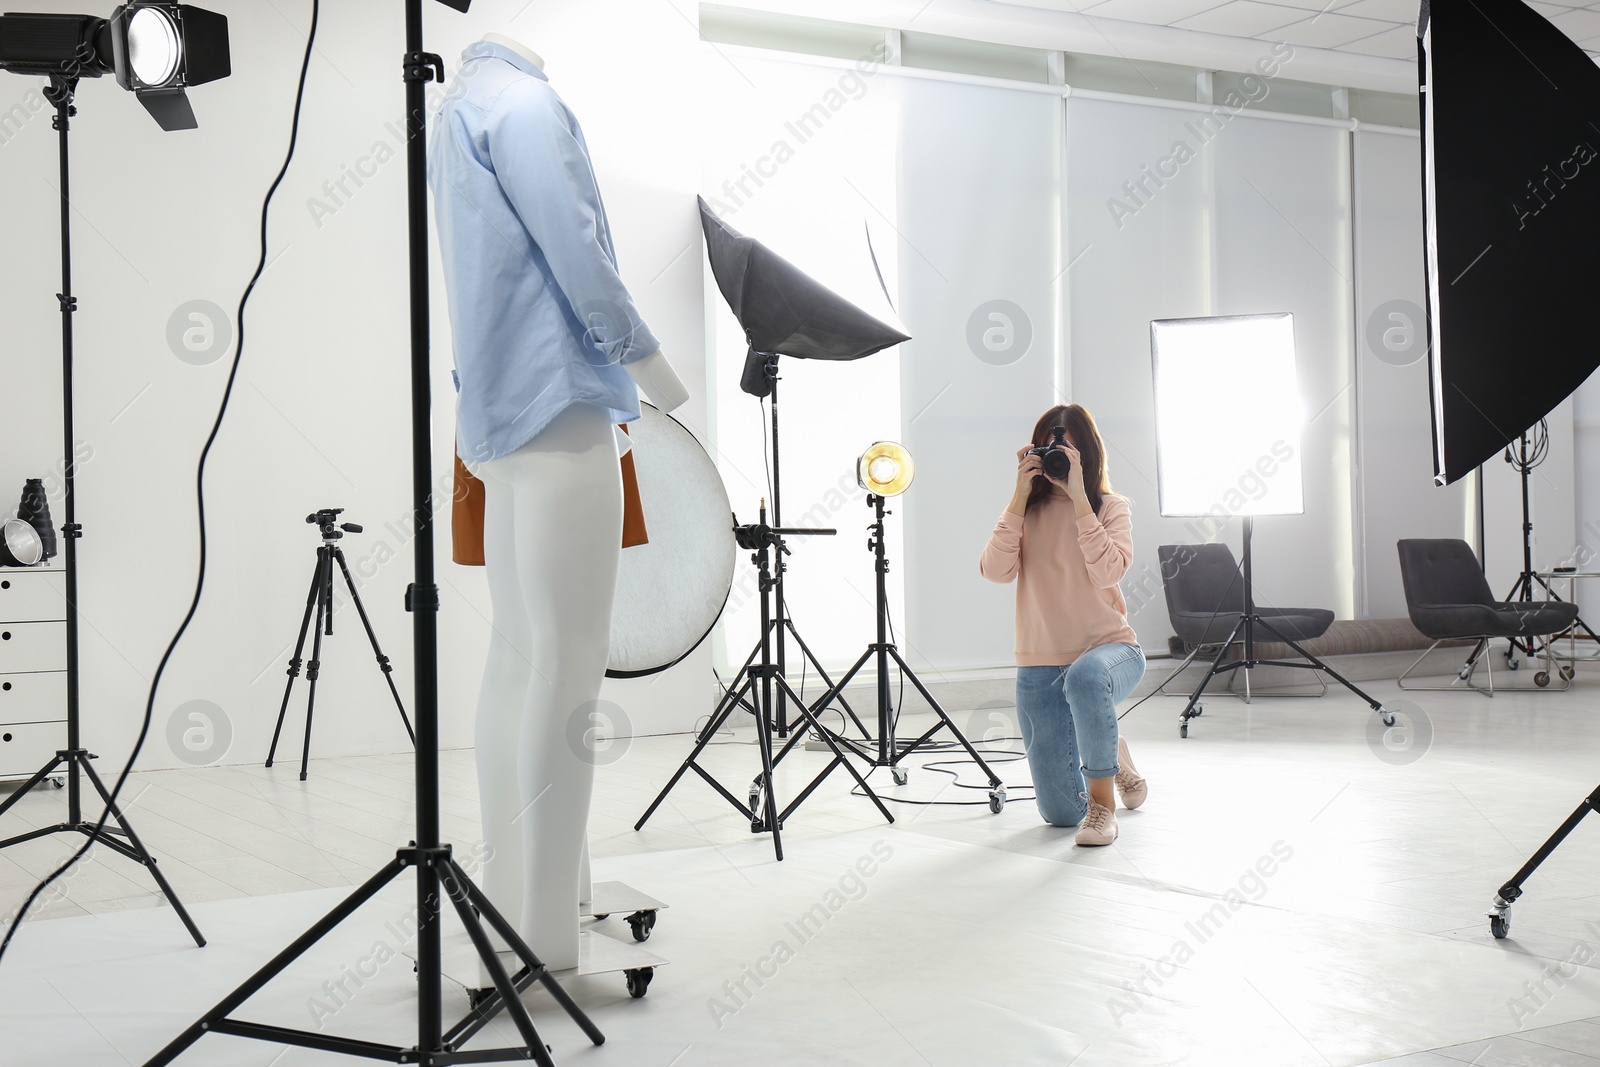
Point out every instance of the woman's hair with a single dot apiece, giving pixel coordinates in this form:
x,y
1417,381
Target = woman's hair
x,y
1085,437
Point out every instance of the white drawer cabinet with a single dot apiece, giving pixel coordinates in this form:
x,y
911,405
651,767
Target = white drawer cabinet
x,y
33,662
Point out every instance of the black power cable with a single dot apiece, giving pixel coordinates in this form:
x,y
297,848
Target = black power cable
x,y
200,502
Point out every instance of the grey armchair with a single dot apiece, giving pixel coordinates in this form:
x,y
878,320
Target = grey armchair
x,y
1448,598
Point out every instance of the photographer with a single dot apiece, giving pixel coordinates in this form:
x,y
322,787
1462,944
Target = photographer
x,y
1067,542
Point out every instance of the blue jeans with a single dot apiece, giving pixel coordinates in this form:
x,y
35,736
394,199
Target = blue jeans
x,y
1069,725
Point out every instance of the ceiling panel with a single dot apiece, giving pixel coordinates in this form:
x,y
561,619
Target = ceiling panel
x,y
1244,18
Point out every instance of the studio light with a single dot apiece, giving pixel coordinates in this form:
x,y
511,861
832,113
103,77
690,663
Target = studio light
x,y
155,50
885,469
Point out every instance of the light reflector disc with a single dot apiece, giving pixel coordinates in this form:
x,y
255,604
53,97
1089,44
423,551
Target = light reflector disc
x,y
885,469
153,47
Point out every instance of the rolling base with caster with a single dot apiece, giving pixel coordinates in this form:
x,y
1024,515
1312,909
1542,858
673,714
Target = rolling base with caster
x,y
1500,914
609,897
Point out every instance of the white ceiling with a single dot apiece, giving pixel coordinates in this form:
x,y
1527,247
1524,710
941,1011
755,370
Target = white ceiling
x,y
1382,28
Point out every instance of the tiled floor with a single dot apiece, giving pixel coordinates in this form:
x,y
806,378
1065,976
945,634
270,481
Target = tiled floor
x,y
1300,889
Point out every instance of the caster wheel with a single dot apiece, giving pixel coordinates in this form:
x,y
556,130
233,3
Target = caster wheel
x,y
59,783
602,915
1387,716
1183,731
639,981
1513,663
1541,679
755,808
900,774
1499,926
1567,672
997,799
1199,710
642,922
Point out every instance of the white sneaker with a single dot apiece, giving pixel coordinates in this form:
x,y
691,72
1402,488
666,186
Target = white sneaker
x,y
1099,826
1131,786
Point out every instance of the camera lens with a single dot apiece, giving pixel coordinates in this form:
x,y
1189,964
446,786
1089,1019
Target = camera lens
x,y
1057,463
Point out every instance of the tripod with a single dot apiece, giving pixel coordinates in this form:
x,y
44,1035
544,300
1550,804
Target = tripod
x,y
1249,620
1524,460
320,602
762,682
1500,914
890,751
74,759
781,624
427,856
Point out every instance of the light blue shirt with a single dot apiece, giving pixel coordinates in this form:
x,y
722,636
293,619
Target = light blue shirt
x,y
540,316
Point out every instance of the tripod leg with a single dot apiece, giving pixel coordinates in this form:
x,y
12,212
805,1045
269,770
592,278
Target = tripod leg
x,y
497,970
823,674
764,742
498,923
140,853
277,964
383,661
972,753
1376,705
1188,711
706,735
839,757
44,772
1513,889
299,647
314,668
799,735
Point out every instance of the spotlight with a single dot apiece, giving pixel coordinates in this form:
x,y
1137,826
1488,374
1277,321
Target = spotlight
x,y
156,50
885,469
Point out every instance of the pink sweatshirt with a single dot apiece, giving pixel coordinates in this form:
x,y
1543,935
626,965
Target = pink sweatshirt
x,y
1067,570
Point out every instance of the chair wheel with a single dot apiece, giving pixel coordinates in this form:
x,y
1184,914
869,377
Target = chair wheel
x,y
639,981
900,774
1499,926
1388,719
997,799
642,922
1541,679
1567,671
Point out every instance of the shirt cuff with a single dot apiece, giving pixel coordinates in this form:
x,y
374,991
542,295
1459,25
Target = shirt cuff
x,y
1088,523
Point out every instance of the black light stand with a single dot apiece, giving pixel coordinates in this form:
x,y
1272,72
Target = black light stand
x,y
1249,620
890,751
1524,461
780,622
762,682
75,758
319,603
435,868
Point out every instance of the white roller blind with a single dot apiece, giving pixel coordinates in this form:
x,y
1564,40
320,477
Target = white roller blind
x,y
980,230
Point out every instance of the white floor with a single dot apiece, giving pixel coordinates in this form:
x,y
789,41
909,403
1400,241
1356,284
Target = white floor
x,y
1294,892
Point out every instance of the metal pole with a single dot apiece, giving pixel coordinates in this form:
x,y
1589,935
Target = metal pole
x,y
62,91
423,597
886,740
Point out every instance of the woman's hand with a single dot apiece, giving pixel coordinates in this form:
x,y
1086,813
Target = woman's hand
x,y
1028,468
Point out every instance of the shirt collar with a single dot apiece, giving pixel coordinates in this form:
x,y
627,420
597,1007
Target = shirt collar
x,y
485,50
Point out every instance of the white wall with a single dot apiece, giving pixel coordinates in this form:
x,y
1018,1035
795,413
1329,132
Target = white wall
x,y
320,411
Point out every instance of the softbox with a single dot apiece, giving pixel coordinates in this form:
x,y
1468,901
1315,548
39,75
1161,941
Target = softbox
x,y
1511,190
783,310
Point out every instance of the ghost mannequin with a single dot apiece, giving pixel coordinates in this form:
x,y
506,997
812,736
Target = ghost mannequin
x,y
553,514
